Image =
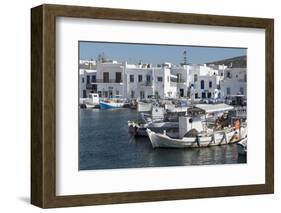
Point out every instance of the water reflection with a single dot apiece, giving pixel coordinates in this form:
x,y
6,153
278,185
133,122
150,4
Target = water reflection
x,y
104,143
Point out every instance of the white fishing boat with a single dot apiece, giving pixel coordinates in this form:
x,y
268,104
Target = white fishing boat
x,y
242,146
194,131
227,136
92,101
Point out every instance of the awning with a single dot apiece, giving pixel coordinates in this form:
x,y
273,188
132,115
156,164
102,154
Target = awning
x,y
210,108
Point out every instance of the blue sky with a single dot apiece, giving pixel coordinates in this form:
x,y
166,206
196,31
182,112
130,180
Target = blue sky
x,y
156,54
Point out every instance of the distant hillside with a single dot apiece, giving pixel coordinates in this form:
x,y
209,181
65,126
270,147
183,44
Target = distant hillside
x,y
240,61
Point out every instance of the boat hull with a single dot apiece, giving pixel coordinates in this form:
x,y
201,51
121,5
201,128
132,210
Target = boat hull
x,y
105,105
162,140
242,147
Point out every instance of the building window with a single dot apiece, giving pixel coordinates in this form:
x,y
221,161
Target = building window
x,y
110,93
242,91
84,93
181,92
203,95
159,79
118,77
179,78
93,78
83,80
228,75
105,94
156,94
132,94
106,77
142,94
210,84
202,84
196,95
148,78
99,92
195,77
245,77
132,78
228,91
88,79
117,92
140,78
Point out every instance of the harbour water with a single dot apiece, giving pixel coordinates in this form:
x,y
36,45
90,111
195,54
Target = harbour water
x,y
105,143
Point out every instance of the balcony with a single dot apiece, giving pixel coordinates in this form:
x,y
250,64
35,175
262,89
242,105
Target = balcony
x,y
108,81
147,84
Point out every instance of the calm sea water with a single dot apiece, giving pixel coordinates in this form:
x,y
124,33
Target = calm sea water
x,y
105,143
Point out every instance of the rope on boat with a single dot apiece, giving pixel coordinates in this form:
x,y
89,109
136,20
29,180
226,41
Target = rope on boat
x,y
223,138
213,140
197,140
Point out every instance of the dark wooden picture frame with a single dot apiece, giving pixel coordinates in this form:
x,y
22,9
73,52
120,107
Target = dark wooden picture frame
x,y
43,105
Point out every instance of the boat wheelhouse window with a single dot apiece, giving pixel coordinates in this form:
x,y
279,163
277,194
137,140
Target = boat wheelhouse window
x,y
168,78
202,84
159,79
228,91
245,77
132,78
195,77
210,84
132,94
140,78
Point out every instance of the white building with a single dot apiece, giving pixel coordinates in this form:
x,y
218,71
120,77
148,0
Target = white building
x,y
143,81
234,82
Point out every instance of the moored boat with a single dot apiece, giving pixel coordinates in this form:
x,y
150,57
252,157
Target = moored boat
x,y
201,140
195,131
113,102
110,104
91,102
